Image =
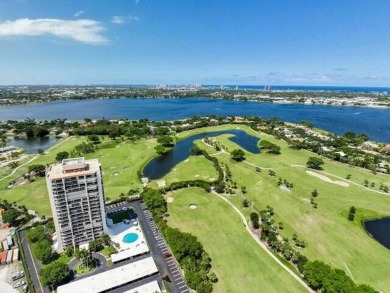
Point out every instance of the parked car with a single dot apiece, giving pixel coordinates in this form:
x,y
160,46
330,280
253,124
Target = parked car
x,y
167,255
17,275
18,284
25,288
124,209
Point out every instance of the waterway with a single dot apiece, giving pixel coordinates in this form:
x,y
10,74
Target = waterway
x,y
32,145
162,165
373,122
380,230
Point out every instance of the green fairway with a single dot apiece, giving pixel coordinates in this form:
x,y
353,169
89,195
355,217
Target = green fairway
x,y
34,195
195,167
239,263
329,236
120,162
327,232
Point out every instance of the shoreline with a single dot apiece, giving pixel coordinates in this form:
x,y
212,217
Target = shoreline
x,y
277,100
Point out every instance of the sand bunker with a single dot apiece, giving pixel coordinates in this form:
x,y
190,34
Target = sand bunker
x,y
212,179
116,174
193,206
196,176
161,183
327,179
170,199
284,188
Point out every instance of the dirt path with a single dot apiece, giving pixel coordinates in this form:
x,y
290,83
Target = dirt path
x,y
33,158
262,245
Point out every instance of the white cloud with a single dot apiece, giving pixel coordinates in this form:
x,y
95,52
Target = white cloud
x,y
118,19
122,19
136,2
78,13
84,30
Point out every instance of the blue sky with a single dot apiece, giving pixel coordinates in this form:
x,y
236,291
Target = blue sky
x,y
287,42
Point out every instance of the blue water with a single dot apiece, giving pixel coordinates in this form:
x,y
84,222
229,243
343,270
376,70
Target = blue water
x,y
130,238
32,145
379,229
373,122
160,166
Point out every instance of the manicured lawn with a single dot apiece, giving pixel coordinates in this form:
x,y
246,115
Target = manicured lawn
x,y
107,251
120,162
240,264
195,167
327,232
34,195
82,270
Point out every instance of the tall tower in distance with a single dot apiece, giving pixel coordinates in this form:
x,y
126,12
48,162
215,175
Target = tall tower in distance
x,y
77,201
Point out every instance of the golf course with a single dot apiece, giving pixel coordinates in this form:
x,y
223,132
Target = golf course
x,y
328,234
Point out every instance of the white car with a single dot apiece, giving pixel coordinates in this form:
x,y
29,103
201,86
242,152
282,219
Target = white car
x,y
18,284
124,208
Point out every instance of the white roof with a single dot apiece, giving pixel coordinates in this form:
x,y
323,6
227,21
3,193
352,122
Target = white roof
x,y
133,251
112,278
151,287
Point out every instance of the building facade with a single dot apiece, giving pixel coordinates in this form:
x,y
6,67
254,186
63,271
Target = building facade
x,y
76,195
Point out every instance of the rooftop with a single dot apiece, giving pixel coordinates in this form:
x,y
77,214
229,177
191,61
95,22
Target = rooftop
x,y
112,278
151,287
72,167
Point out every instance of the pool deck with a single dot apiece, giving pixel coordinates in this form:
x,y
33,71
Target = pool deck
x,y
127,250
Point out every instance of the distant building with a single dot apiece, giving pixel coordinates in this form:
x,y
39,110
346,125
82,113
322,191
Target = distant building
x,y
77,201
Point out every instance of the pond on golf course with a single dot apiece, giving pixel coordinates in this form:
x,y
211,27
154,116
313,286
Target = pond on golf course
x,y
162,165
379,229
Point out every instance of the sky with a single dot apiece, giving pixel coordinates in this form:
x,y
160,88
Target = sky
x,y
246,42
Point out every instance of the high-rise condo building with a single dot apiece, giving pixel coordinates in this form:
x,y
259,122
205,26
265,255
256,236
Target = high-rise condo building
x,y
77,201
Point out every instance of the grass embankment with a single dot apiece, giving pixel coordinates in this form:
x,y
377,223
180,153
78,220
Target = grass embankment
x,y
327,232
239,263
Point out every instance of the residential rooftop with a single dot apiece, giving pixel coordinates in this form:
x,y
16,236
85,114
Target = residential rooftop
x,y
114,278
72,167
151,287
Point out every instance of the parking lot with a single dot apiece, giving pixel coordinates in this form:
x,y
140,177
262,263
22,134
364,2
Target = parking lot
x,y
157,241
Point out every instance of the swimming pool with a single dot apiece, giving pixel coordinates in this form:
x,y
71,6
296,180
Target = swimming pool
x,y
130,238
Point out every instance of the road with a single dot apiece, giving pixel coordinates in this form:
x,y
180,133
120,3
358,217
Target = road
x,y
33,266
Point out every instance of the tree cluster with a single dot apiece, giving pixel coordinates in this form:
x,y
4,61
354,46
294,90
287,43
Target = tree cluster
x,y
193,259
351,214
41,246
323,278
269,147
315,163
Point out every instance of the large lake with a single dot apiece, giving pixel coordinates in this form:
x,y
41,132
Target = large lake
x,y
373,122
162,165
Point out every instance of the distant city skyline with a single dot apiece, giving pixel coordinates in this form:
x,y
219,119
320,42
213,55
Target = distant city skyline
x,y
188,42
